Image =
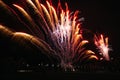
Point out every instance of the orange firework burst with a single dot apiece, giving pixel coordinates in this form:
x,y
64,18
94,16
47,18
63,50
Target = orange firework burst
x,y
56,32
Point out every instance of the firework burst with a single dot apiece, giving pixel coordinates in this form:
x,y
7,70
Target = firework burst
x,y
56,32
102,45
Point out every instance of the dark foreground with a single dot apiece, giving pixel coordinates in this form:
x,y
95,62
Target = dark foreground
x,y
62,76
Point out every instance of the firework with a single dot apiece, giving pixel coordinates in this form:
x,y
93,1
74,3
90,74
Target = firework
x,y
102,45
56,32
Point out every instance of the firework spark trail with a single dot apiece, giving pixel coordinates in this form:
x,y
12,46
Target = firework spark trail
x,y
66,37
102,44
61,30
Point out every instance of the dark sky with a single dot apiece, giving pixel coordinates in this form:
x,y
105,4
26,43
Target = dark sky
x,y
100,16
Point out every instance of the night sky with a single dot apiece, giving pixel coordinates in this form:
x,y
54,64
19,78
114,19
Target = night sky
x,y
100,16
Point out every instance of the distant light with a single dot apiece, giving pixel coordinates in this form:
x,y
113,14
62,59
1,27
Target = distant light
x,y
41,64
53,65
73,70
20,70
24,70
27,65
47,65
38,64
112,58
58,65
